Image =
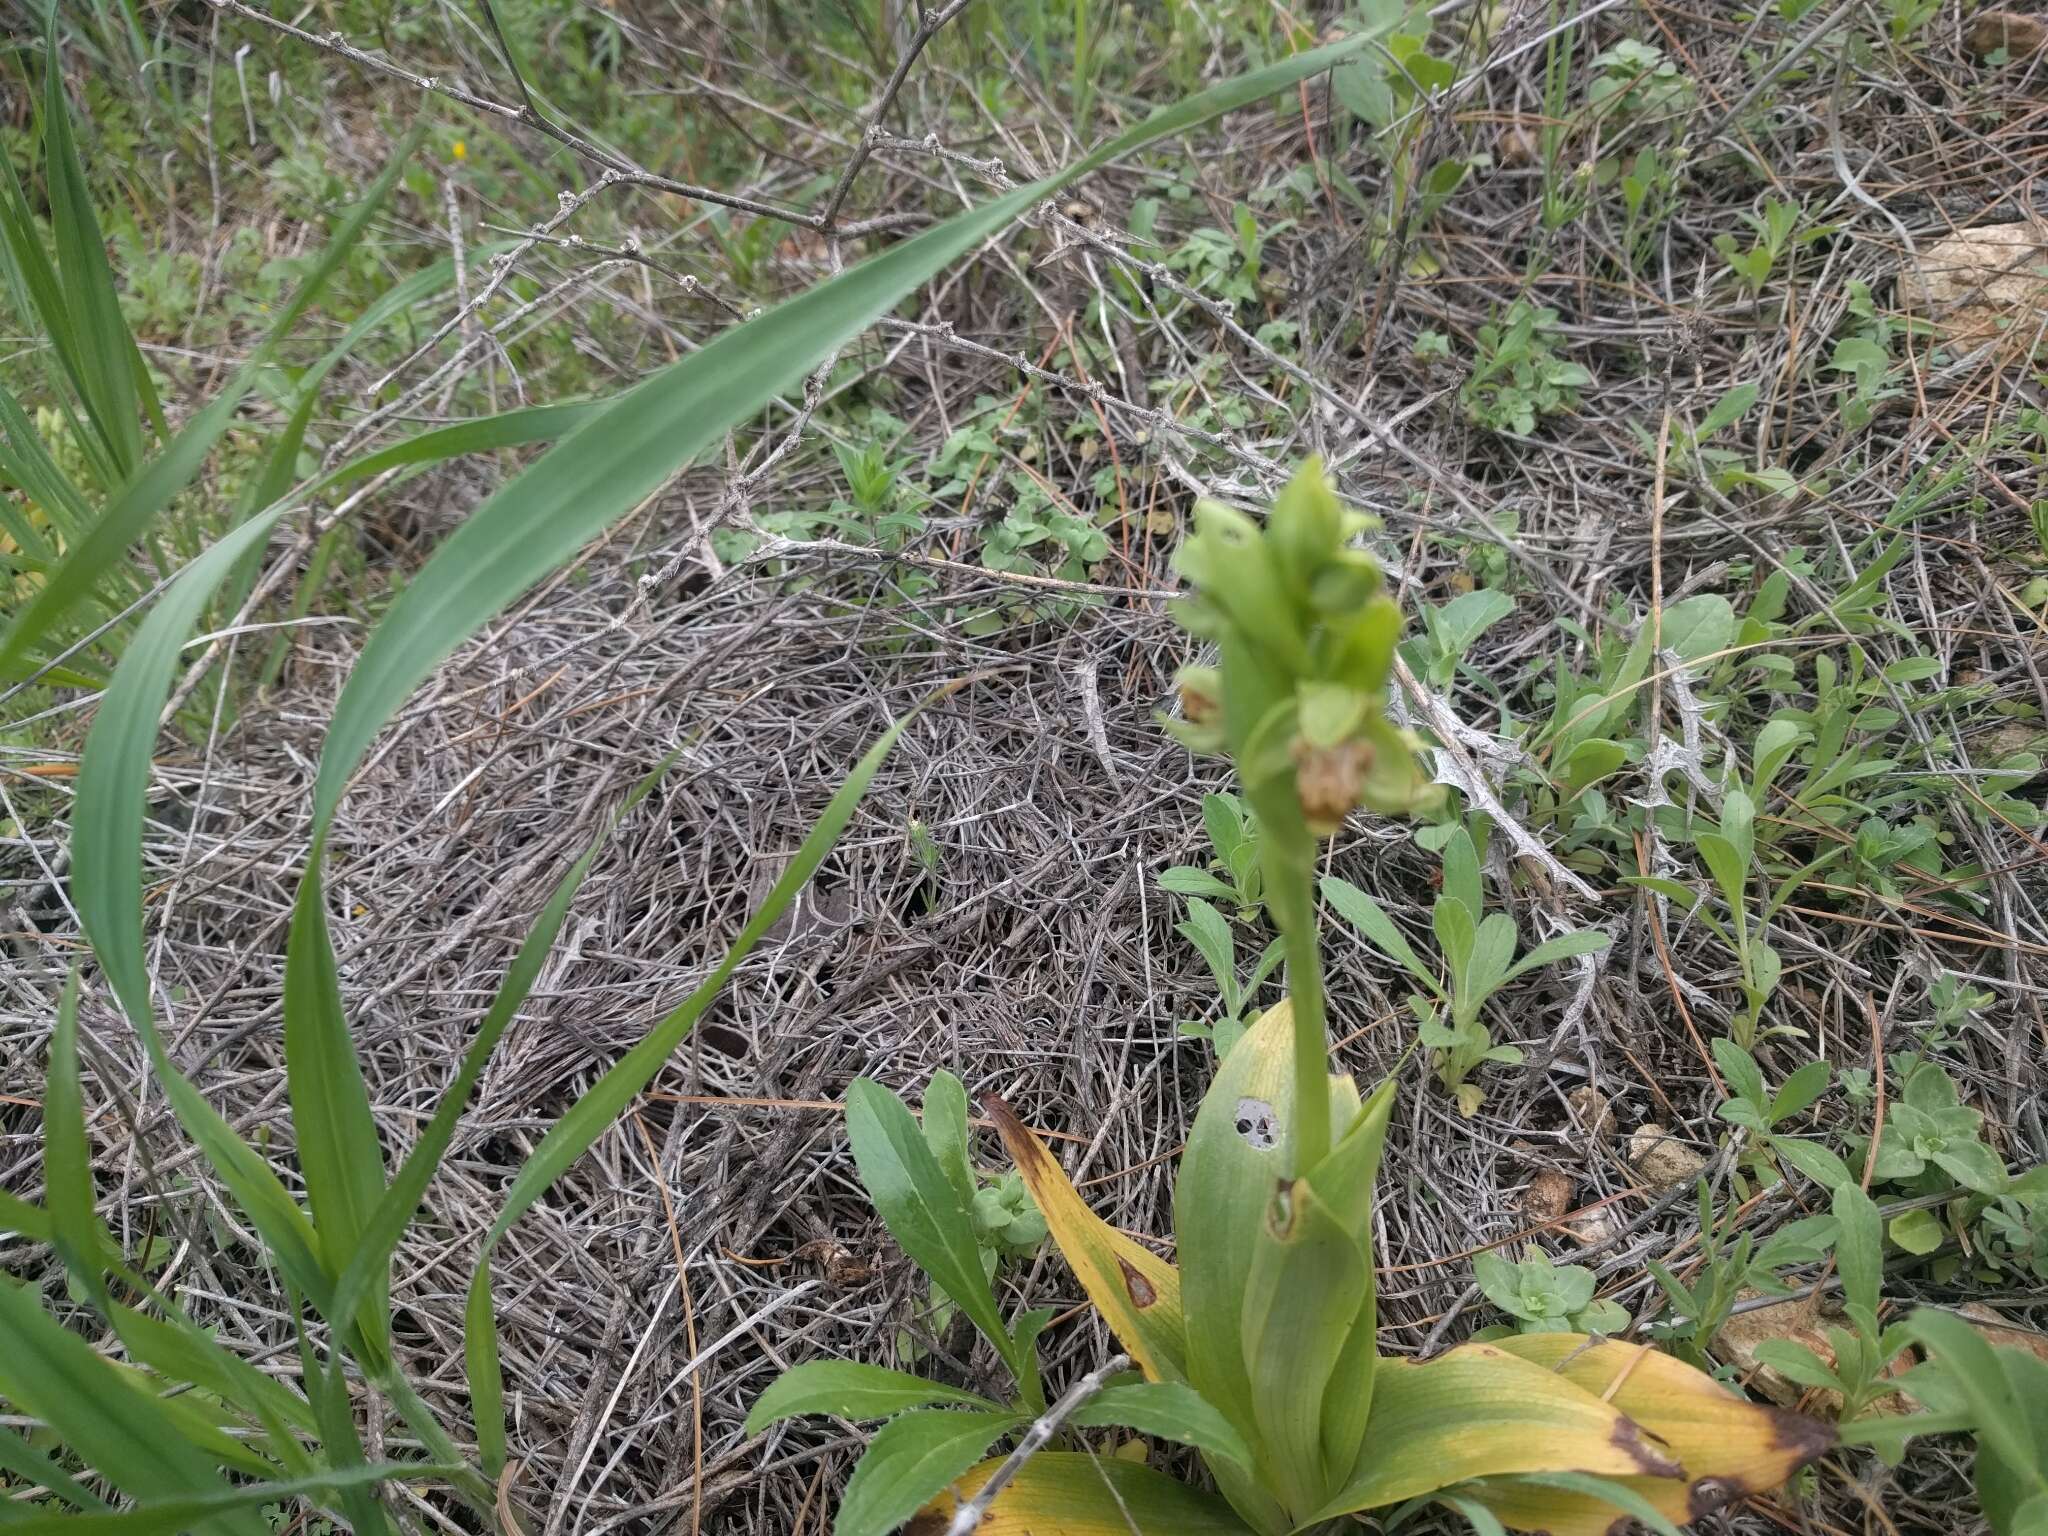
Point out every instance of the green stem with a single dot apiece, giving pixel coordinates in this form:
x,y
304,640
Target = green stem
x,y
1290,894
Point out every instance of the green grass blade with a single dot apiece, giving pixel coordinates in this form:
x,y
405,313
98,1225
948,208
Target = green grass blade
x,y
180,1350
113,782
167,1517
67,1162
571,1136
593,477
26,462
387,1222
25,1219
138,503
113,776
38,297
54,1375
339,1155
111,381
22,1461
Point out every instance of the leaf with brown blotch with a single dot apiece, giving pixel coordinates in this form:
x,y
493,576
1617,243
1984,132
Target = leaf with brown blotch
x,y
1136,1291
1070,1493
1480,1411
1728,1447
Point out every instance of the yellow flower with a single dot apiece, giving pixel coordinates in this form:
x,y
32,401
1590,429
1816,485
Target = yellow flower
x,y
460,151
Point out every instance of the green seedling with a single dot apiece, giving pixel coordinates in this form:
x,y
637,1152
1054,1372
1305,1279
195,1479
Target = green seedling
x,y
1543,1297
1731,1263
1232,874
1517,377
1478,957
1211,934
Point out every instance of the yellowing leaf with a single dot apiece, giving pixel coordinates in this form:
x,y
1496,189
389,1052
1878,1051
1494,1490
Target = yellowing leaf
x,y
1136,1291
1069,1493
1728,1447
1482,1412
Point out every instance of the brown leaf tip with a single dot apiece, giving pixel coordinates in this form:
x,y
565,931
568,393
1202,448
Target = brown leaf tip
x,y
1025,1149
1141,1290
1628,1436
1710,1494
1805,1438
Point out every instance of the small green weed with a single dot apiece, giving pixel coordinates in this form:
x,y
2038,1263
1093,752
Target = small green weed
x,y
1479,954
1517,377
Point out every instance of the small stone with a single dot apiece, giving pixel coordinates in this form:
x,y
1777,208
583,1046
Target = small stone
x,y
1548,1197
1663,1160
1519,147
1982,282
2018,35
1593,1228
1592,1114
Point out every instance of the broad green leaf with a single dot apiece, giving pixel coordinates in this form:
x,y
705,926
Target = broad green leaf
x,y
945,1132
1729,869
1973,1368
1457,932
1461,871
1805,1085
911,1459
1859,1248
1074,1493
1819,1163
1738,825
1727,410
1698,626
847,1390
1671,890
601,471
1797,1363
1235,1159
1493,946
1137,1292
1564,947
1775,744
1167,1410
1466,617
1479,1411
1344,1182
1370,919
1186,880
1223,818
587,1119
1588,763
1307,1284
1744,1076
1729,1447
1972,1165
917,1202
1209,931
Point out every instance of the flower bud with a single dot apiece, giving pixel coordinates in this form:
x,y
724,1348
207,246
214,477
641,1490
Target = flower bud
x,y
1328,781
